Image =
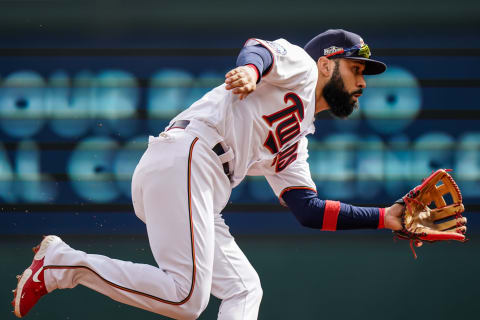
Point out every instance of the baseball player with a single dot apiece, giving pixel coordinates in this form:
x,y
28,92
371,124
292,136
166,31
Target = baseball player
x,y
255,123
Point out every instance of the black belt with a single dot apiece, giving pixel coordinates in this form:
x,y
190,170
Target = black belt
x,y
218,149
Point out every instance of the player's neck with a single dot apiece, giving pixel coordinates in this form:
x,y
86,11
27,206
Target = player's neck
x,y
320,102
321,105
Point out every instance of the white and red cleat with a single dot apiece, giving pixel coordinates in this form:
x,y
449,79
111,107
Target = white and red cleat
x,y
31,284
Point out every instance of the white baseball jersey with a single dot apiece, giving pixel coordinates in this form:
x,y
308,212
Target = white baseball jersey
x,y
266,130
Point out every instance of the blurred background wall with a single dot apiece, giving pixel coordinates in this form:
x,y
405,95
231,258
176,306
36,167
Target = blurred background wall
x,y
83,84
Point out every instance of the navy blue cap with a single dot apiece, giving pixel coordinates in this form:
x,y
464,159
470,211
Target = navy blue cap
x,y
338,43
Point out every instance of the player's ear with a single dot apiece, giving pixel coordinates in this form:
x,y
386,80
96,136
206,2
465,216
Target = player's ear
x,y
324,66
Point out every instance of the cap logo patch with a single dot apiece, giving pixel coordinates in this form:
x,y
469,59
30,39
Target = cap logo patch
x,y
331,50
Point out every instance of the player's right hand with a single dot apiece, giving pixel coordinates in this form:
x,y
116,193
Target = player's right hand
x,y
393,217
241,80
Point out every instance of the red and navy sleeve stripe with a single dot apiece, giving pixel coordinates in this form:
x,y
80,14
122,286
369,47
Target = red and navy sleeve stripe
x,y
257,56
329,215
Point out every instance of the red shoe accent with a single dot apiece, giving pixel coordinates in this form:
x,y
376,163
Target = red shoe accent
x,y
31,284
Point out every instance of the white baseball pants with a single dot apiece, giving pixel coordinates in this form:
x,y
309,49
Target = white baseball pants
x,y
178,190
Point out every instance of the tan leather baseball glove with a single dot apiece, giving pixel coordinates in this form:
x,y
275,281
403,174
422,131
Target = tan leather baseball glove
x,y
428,217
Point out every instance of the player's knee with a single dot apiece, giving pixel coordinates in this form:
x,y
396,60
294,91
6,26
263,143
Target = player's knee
x,y
192,311
249,297
255,289
195,314
196,305
187,314
201,305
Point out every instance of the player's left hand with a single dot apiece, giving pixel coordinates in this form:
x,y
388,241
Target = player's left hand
x,y
393,217
243,81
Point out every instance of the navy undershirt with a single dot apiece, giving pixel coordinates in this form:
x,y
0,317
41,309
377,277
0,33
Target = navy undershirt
x,y
309,209
257,55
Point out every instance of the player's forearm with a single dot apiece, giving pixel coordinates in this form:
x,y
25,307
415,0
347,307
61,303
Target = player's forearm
x,y
313,212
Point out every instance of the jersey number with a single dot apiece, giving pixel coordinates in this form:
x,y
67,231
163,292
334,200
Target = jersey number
x,y
288,127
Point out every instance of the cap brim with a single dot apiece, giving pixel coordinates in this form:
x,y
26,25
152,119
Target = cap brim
x,y
371,66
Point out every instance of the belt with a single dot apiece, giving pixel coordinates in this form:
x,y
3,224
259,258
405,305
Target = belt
x,y
218,149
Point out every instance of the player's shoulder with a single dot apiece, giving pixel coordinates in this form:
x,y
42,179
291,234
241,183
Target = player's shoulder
x,y
279,47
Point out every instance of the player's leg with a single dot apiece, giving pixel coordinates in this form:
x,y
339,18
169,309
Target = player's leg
x,y
191,266
173,190
235,281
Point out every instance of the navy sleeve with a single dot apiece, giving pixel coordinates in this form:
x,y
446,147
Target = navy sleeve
x,y
309,211
257,55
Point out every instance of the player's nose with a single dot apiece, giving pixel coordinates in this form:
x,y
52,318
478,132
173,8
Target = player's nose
x,y
361,83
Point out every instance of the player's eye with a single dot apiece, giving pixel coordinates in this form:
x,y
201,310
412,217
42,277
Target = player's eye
x,y
357,70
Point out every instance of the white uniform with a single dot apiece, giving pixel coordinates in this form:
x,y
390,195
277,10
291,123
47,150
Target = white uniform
x,y
179,189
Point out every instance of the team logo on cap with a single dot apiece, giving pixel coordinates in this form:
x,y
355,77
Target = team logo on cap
x,y
331,51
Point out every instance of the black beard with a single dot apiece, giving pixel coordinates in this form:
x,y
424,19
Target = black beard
x,y
340,101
